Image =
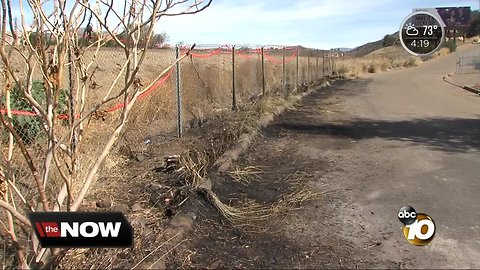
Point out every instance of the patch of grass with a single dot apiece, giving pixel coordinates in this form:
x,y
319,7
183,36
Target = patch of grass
x,y
250,212
195,165
444,51
244,175
354,67
373,68
242,215
451,45
292,200
412,62
249,123
342,69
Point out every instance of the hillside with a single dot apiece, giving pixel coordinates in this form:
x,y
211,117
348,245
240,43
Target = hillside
x,y
374,46
392,51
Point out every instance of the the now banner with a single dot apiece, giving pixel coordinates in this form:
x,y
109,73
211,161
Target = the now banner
x,y
82,229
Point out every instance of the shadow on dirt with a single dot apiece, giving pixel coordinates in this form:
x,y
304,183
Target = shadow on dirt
x,y
444,134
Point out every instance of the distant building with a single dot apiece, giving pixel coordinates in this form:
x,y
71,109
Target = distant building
x,y
456,20
337,52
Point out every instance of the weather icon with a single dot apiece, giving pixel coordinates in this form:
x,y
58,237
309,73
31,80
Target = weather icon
x,y
411,29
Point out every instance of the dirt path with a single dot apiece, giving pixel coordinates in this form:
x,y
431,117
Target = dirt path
x,y
399,138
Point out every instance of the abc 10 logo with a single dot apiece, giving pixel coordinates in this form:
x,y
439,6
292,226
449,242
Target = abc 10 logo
x,y
418,228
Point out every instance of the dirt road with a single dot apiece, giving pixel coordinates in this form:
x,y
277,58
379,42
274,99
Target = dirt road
x,y
399,138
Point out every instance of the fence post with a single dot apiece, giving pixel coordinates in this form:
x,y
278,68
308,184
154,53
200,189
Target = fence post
x,y
316,67
457,66
234,94
334,63
284,71
297,74
263,72
179,94
331,64
308,67
323,66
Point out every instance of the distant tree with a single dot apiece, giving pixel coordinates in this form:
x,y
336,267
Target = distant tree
x,y
34,38
243,48
475,14
474,29
87,33
132,28
158,40
389,40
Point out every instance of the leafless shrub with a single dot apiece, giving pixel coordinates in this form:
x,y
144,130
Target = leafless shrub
x,y
52,39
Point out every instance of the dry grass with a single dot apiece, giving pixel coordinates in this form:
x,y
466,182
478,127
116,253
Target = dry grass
x,y
442,52
295,199
240,215
249,122
245,174
354,67
270,104
250,212
195,167
381,60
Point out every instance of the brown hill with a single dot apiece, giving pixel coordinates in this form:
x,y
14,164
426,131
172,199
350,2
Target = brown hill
x,y
370,47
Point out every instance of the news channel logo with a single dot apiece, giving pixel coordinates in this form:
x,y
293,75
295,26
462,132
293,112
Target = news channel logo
x,y
82,229
418,228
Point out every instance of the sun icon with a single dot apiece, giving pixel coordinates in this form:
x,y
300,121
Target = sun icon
x,y
411,30
409,25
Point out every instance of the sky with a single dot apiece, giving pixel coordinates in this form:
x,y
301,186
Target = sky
x,y
322,24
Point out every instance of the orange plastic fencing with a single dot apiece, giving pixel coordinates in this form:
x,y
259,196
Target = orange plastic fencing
x,y
204,55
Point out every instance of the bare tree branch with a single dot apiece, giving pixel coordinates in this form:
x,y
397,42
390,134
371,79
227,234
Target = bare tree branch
x,y
28,159
50,46
15,213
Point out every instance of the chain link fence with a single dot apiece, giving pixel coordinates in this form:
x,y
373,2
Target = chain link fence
x,y
210,80
218,78
468,62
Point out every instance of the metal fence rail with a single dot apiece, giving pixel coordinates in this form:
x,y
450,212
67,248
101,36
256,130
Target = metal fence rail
x,y
468,63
